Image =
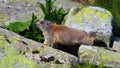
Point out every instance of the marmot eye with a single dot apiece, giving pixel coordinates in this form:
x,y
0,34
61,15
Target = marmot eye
x,y
41,22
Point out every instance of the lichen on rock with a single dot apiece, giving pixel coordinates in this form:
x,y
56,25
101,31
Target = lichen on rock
x,y
10,57
36,54
97,55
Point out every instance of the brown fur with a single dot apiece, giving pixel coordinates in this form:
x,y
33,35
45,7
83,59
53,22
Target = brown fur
x,y
60,34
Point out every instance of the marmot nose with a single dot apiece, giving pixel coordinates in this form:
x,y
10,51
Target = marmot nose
x,y
37,23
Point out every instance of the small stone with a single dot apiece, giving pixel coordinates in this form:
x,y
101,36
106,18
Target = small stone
x,y
116,46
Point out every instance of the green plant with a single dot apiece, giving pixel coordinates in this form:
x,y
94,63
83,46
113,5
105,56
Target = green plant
x,y
32,32
27,29
52,13
18,26
113,7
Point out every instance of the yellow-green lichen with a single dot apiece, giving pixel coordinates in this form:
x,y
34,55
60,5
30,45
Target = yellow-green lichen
x,y
101,55
87,13
102,15
78,17
1,36
12,57
13,39
37,49
110,56
86,56
3,18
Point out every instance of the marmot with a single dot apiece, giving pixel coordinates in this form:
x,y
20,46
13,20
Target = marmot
x,y
60,34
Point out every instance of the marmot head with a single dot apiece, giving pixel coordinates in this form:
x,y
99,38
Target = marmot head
x,y
43,25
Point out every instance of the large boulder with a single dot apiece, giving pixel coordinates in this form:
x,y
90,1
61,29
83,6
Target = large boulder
x,y
17,51
97,55
18,10
94,20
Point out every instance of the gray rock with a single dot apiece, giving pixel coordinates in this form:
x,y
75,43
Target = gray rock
x,y
1,1
21,10
97,55
42,55
49,57
11,56
116,46
94,20
66,4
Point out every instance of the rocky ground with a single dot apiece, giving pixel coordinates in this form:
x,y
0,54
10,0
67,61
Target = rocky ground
x,y
12,44
21,10
17,51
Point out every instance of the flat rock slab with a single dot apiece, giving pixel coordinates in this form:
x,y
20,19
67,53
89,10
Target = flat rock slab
x,y
43,55
99,55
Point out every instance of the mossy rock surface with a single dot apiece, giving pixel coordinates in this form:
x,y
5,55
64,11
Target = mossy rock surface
x,y
99,55
11,58
36,54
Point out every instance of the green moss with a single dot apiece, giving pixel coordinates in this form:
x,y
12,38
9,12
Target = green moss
x,y
12,57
